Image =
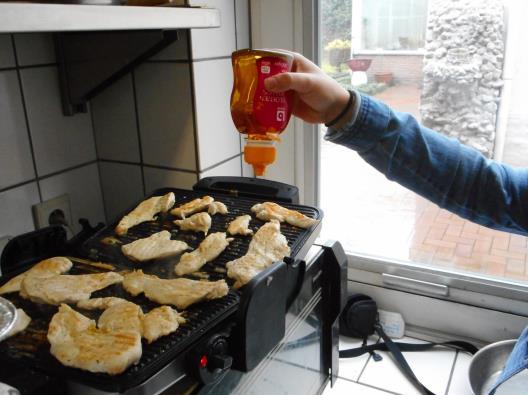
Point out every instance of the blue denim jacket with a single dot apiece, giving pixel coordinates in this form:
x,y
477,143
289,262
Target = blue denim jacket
x,y
442,170
517,362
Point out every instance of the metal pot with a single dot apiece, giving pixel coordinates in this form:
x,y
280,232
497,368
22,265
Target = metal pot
x,y
487,365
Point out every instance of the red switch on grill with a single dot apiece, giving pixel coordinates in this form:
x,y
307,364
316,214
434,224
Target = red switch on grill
x,y
209,361
203,361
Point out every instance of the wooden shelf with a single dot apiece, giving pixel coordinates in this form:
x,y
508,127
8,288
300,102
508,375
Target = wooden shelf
x,y
27,18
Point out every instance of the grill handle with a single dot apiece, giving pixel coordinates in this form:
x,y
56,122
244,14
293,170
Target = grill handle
x,y
261,317
249,187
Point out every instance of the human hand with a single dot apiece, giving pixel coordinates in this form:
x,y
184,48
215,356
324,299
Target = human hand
x,y
317,97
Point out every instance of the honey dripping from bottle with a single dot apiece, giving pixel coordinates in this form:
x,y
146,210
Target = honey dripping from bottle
x,y
259,114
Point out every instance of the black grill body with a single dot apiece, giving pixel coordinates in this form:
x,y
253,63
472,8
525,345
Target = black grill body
x,y
238,330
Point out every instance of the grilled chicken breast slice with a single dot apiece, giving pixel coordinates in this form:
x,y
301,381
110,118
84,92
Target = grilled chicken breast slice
x,y
268,210
122,317
267,246
179,292
45,268
99,303
160,322
59,289
134,282
200,222
77,342
157,246
192,207
217,208
145,211
240,226
209,249
122,314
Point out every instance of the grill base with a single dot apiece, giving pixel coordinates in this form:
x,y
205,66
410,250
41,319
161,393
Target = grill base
x,y
32,349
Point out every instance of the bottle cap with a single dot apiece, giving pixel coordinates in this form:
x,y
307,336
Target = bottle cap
x,y
259,154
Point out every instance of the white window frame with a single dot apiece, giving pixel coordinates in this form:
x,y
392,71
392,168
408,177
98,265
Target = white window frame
x,y
434,302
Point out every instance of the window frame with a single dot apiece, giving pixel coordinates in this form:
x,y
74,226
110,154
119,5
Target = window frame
x,y
480,298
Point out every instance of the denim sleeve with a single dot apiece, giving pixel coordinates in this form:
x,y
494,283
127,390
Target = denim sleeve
x,y
442,170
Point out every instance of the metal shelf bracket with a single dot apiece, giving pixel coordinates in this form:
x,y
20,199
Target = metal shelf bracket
x,y
91,61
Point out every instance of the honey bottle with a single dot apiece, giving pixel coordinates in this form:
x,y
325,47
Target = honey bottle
x,y
259,114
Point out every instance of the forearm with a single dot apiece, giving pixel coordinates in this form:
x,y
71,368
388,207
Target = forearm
x,y
438,168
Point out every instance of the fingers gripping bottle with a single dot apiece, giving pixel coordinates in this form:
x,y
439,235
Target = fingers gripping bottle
x,y
257,113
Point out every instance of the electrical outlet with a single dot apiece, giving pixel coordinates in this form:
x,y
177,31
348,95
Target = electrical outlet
x,y
59,207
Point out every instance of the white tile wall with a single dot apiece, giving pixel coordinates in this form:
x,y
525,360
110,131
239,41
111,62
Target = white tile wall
x,y
351,368
161,178
242,24
208,43
433,369
459,384
283,168
122,187
16,163
345,387
229,168
15,209
218,138
83,187
247,170
114,122
165,115
443,371
34,48
59,142
178,50
7,56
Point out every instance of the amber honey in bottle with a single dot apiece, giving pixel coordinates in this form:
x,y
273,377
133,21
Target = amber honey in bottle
x,y
259,114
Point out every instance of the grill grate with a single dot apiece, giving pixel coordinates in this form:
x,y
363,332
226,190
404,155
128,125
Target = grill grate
x,y
32,348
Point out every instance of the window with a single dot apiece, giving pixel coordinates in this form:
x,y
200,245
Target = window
x,y
389,24
383,226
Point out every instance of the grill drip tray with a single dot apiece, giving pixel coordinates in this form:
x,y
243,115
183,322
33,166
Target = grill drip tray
x,y
31,348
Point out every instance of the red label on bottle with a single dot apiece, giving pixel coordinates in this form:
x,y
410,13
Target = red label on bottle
x,y
272,110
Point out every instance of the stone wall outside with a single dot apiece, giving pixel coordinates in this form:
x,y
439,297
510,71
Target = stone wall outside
x,y
463,70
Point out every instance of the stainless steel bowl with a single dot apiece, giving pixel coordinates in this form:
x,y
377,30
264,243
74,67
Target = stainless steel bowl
x,y
487,365
8,316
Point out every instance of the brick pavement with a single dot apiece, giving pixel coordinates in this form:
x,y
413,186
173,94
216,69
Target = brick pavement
x,y
387,220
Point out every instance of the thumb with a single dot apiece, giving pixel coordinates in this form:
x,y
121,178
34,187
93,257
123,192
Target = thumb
x,y
299,82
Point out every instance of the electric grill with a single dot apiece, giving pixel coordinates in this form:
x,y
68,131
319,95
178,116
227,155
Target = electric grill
x,y
286,317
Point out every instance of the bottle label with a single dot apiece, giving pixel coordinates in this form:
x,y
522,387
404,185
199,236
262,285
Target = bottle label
x,y
271,110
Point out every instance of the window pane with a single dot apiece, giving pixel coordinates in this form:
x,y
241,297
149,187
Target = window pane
x,y
391,24
455,76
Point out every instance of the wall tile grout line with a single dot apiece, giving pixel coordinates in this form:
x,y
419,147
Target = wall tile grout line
x,y
172,61
371,386
17,185
236,47
136,109
67,169
366,363
29,66
249,25
26,117
37,66
236,30
124,162
221,162
100,178
451,373
193,105
212,58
